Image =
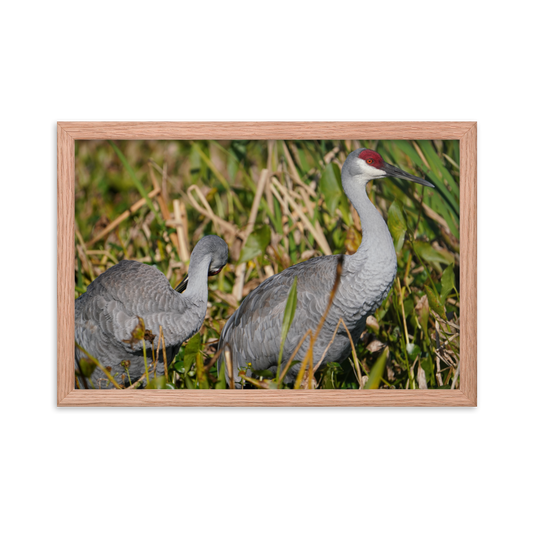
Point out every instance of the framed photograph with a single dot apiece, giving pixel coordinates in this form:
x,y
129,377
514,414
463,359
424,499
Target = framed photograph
x,y
267,264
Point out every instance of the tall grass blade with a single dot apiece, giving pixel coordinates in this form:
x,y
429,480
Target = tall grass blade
x,y
189,354
438,168
448,283
374,379
288,317
397,224
221,381
212,167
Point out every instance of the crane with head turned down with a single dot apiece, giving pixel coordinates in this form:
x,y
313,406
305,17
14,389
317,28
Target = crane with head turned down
x,y
253,332
108,313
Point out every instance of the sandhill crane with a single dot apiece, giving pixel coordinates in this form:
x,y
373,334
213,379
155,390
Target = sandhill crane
x,y
109,311
253,332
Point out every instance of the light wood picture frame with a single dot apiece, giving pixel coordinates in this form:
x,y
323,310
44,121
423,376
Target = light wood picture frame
x,y
69,132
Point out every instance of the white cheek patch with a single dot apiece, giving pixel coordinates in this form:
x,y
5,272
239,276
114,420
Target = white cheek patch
x,y
369,170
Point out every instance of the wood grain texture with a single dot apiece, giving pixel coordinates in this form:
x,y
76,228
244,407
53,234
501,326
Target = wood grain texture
x,y
266,398
68,132
65,264
468,243
265,130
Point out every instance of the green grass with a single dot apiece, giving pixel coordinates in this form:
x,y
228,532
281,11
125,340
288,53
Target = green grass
x,y
302,212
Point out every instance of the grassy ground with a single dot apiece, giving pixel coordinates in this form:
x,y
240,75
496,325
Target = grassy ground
x,y
209,187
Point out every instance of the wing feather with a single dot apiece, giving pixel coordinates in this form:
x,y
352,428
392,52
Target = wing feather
x,y
108,312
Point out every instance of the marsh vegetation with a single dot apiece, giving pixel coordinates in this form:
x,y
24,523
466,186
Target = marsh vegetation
x,y
277,203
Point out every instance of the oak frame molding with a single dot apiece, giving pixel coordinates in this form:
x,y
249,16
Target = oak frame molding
x,y
69,132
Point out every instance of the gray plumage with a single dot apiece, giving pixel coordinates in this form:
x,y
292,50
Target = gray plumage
x,y
253,332
108,312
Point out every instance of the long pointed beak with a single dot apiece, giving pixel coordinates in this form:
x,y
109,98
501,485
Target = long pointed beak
x,y
182,285
398,173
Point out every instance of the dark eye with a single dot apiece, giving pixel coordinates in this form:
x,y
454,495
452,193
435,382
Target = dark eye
x,y
369,161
